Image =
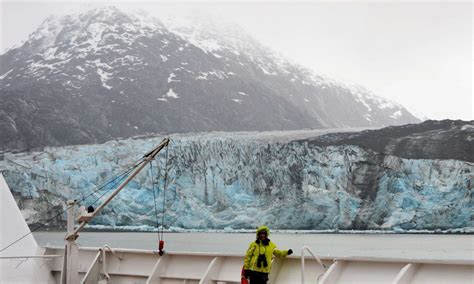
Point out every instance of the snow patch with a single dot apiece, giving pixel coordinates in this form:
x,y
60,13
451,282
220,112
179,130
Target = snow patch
x,y
104,77
170,78
5,74
169,94
49,53
95,31
396,114
172,94
202,76
265,70
467,127
215,74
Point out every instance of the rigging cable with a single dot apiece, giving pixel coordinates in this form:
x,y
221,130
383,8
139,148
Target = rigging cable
x,y
35,229
115,181
154,200
161,232
119,176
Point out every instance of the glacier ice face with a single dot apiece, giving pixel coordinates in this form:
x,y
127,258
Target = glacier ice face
x,y
233,181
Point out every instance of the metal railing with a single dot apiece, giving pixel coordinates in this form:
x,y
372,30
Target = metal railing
x,y
98,269
313,254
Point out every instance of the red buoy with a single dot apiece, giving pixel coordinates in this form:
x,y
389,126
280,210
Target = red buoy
x,y
243,280
161,246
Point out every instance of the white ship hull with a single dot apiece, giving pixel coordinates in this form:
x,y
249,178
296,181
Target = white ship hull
x,y
144,266
26,262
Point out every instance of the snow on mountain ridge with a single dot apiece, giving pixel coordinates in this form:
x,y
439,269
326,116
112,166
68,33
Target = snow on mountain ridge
x,y
110,62
89,30
100,24
60,39
209,36
204,32
212,36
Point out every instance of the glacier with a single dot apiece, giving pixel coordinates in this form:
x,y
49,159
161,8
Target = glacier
x,y
235,181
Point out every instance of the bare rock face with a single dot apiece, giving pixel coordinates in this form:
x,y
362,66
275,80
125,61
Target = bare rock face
x,y
106,73
446,139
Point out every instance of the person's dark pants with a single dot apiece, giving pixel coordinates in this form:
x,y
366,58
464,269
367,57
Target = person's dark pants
x,y
258,277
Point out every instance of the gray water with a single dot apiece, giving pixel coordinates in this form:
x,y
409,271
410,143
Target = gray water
x,y
422,246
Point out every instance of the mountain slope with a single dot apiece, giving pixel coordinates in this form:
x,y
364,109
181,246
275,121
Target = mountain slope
x,y
446,139
102,74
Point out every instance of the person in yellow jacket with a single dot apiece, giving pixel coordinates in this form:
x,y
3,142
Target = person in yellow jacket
x,y
258,259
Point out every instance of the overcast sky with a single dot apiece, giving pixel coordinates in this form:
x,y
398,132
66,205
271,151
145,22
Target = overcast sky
x,y
419,54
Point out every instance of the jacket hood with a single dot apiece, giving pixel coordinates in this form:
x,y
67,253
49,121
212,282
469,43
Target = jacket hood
x,y
263,229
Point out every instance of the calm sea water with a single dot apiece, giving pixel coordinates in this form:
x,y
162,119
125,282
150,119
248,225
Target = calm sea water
x,y
336,245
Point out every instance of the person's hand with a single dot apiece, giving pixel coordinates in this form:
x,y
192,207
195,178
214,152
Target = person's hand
x,y
246,273
290,252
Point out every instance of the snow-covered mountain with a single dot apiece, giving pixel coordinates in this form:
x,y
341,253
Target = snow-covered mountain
x,y
106,73
240,180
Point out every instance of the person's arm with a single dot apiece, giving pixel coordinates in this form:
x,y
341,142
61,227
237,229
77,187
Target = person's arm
x,y
248,256
282,253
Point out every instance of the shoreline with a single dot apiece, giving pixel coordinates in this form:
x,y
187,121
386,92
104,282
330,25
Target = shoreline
x,y
103,229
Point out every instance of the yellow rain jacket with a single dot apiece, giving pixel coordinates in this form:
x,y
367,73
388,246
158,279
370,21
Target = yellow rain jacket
x,y
256,248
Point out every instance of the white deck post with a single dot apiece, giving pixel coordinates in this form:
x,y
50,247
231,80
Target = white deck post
x,y
157,271
406,274
333,272
211,271
70,268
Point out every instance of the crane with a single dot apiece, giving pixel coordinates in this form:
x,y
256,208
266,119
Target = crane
x,y
69,273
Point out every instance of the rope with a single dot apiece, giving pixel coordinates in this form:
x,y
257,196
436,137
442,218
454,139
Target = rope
x,y
115,178
125,172
115,181
154,200
164,194
35,229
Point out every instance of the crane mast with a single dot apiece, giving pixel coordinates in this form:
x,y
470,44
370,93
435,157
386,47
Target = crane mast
x,y
70,262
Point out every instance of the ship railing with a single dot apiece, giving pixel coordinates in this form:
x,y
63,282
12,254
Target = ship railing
x,y
98,269
305,249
